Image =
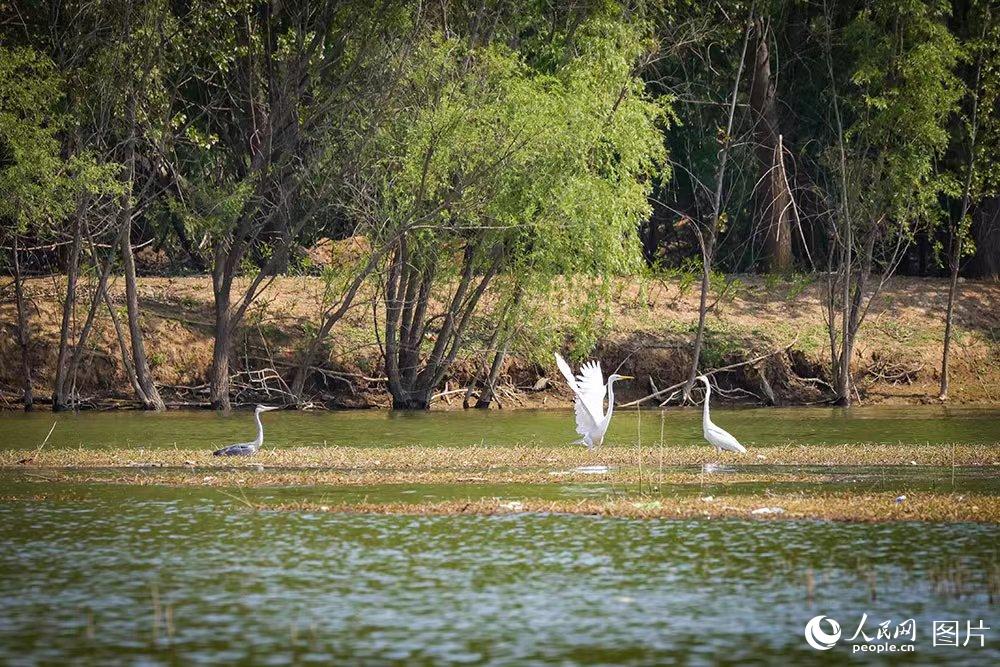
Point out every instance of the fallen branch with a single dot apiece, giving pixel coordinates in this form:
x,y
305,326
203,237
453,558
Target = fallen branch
x,y
749,362
818,381
447,393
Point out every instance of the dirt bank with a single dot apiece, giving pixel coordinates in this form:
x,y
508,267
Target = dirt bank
x,y
647,329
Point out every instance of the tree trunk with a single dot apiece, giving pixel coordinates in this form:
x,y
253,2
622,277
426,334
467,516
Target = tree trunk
x,y
953,262
59,397
124,349
774,198
489,387
412,381
149,396
219,379
417,399
392,318
80,345
958,230
23,336
699,337
841,367
842,376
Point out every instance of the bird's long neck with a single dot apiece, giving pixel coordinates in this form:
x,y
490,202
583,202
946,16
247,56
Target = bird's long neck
x,y
260,431
705,421
611,401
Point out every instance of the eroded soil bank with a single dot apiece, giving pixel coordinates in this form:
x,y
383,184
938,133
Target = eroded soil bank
x,y
647,329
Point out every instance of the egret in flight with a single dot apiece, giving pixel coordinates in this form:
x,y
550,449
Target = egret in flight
x,y
247,448
719,438
590,390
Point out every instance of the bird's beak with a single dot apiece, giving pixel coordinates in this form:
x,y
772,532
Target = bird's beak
x,y
269,408
626,377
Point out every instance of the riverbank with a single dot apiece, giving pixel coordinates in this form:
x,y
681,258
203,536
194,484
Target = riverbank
x,y
647,329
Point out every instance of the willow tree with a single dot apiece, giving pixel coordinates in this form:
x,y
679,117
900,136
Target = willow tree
x,y
495,166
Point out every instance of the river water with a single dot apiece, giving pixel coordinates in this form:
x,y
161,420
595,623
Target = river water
x,y
99,573
753,426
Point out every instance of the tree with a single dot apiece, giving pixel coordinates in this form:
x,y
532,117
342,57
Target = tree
x,y
253,139
707,238
478,182
775,198
32,175
890,126
985,54
43,186
114,80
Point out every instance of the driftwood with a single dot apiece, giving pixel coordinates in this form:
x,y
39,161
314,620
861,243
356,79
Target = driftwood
x,y
673,388
448,392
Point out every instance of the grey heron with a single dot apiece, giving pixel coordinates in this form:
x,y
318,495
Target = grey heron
x,y
247,448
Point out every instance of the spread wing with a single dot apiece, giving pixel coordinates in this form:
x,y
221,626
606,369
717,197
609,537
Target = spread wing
x,y
566,371
589,389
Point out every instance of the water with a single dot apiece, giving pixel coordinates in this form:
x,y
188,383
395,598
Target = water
x,y
758,427
98,573
187,576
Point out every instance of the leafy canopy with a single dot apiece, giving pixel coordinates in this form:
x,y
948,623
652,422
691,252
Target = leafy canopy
x,y
548,169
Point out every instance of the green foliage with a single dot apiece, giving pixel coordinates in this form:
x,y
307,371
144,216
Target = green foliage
x,y
474,158
903,90
40,186
799,282
686,276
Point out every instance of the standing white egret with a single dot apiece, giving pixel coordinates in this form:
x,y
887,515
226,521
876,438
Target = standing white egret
x,y
719,438
247,448
590,390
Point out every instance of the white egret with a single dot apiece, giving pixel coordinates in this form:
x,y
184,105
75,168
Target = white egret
x,y
247,448
590,390
719,438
